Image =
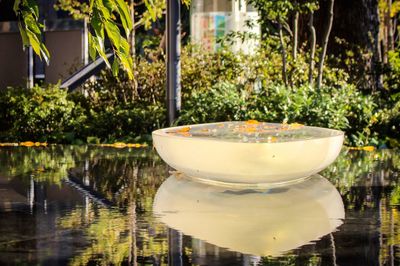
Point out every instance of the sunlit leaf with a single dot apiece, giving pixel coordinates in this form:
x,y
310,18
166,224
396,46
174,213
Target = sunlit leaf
x,y
92,49
113,34
115,67
126,20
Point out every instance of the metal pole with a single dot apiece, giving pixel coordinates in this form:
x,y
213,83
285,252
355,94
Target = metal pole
x,y
30,74
173,59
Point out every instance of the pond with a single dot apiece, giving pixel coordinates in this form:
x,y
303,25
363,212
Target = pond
x,y
80,205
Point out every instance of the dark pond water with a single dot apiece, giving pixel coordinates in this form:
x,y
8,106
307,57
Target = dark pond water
x,y
82,205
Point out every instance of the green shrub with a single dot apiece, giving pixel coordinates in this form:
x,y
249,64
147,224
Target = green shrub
x,y
215,87
222,102
37,114
340,108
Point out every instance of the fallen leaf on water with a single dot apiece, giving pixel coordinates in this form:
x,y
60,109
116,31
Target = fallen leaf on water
x,y
27,144
118,145
365,148
180,130
295,126
6,144
252,122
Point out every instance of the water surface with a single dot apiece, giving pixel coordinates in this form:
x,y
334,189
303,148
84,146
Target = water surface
x,y
84,205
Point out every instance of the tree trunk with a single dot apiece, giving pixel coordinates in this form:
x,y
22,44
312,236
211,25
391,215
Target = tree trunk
x,y
357,22
132,40
283,53
132,43
390,28
385,33
325,43
295,34
373,33
312,48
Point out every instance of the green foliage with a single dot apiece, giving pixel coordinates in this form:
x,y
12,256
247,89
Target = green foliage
x,y
222,102
30,29
37,113
281,10
215,87
341,108
392,76
103,21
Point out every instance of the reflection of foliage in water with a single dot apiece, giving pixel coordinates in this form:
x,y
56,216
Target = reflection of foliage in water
x,y
358,168
129,180
370,180
290,259
49,164
108,232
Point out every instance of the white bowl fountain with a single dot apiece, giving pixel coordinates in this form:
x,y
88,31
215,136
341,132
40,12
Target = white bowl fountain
x,y
248,154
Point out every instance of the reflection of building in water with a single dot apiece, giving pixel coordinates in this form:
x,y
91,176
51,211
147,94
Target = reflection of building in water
x,y
212,20
30,211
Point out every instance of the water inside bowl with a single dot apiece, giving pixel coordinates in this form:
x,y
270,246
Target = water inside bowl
x,y
253,131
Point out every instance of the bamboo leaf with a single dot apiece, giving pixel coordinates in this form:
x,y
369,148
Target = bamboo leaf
x,y
34,42
113,34
99,45
24,36
45,53
97,24
115,67
33,7
126,20
92,49
16,6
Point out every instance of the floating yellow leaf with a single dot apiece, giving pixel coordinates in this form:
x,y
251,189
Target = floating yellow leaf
x,y
27,144
8,144
119,145
252,122
295,126
183,129
365,148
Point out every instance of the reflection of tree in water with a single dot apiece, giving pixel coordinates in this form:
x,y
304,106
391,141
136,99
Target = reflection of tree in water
x,y
43,164
124,229
369,185
128,181
124,180
361,177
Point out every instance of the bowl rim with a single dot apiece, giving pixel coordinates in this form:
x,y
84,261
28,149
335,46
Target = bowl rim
x,y
163,133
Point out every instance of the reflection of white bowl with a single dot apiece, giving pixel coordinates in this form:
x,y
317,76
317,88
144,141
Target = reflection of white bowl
x,y
249,221
246,159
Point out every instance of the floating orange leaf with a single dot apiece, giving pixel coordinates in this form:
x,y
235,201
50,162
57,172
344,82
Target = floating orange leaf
x,y
27,144
180,130
252,122
295,126
183,129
